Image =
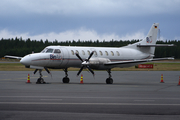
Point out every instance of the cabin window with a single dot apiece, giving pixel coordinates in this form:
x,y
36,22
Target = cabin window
x,y
72,52
100,52
95,53
112,53
106,53
88,52
117,53
83,52
57,51
77,52
49,50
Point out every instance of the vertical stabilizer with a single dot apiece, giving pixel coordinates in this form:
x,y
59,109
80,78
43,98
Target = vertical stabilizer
x,y
152,35
146,45
151,38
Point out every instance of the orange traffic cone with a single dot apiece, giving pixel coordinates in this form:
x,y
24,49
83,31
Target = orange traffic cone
x,y
28,79
162,81
179,81
81,80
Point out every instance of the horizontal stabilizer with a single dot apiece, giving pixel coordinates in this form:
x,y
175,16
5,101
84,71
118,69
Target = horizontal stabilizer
x,y
14,57
156,45
159,59
137,61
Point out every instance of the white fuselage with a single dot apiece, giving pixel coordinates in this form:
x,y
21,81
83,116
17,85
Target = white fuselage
x,y
65,57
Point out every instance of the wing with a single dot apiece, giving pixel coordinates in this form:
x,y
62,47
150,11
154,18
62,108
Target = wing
x,y
137,61
14,57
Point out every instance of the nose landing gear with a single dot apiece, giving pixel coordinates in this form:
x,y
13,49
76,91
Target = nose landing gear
x,y
40,80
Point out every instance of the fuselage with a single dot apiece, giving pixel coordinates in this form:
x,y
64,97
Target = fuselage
x,y
61,57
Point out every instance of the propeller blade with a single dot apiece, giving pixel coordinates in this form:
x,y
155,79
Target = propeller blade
x,y
80,70
79,57
90,70
90,55
35,71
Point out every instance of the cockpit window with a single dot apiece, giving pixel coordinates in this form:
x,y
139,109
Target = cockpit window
x,y
57,51
44,50
49,50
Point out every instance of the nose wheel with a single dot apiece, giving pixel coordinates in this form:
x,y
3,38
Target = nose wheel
x,y
40,80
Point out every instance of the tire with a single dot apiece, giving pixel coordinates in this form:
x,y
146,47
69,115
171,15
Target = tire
x,y
109,81
40,81
65,80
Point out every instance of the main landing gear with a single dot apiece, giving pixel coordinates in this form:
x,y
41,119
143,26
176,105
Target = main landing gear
x,y
109,80
65,79
40,80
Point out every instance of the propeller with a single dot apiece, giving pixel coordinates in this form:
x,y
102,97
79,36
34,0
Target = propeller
x,y
84,63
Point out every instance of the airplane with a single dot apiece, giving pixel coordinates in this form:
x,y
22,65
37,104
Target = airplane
x,y
93,58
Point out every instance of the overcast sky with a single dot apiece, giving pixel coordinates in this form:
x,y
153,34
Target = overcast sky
x,y
88,19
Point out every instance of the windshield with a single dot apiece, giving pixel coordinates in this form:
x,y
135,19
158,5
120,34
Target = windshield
x,y
47,50
44,50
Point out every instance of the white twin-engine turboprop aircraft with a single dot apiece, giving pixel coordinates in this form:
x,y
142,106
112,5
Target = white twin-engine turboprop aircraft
x,y
93,58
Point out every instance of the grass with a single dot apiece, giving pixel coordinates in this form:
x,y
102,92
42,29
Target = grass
x,y
12,67
157,67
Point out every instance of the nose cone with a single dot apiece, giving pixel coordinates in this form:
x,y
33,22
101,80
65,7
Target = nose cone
x,y
26,60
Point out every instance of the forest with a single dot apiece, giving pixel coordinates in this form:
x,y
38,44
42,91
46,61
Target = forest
x,y
19,47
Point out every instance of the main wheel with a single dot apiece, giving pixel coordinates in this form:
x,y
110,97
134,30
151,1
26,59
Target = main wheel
x,y
65,80
109,81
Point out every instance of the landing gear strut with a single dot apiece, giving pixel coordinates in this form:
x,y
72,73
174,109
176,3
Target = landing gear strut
x,y
109,80
65,79
40,80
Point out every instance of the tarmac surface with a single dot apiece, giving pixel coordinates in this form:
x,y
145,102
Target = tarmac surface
x,y
133,95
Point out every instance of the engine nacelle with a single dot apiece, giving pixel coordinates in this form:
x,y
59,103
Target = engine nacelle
x,y
98,62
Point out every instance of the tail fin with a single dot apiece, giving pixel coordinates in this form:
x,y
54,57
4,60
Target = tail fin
x,y
152,35
151,38
147,45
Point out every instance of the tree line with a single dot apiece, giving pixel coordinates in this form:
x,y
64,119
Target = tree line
x,y
19,47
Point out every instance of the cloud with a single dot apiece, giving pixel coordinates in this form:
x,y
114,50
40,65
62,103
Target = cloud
x,y
137,35
177,38
88,19
82,34
90,7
